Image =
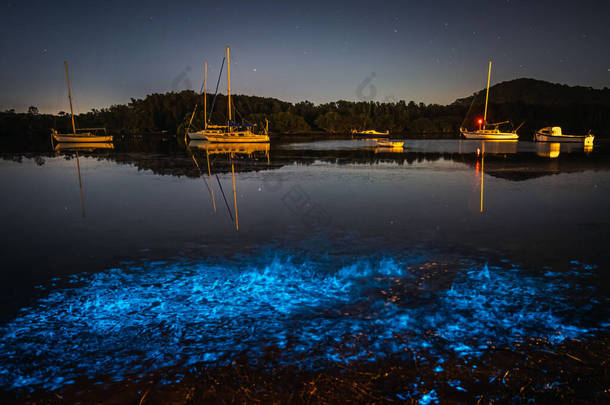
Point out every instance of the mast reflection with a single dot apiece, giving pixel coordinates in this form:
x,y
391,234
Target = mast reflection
x,y
232,150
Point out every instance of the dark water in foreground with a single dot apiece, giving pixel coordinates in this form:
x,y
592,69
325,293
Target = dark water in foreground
x,y
329,254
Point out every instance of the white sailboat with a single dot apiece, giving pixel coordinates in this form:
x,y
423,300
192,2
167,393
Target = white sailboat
x,y
232,132
86,135
488,131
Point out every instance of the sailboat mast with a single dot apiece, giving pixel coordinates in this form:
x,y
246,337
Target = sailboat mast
x,y
229,86
234,194
487,96
205,95
70,98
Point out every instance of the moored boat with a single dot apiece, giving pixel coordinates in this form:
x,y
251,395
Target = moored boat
x,y
245,136
370,133
232,132
554,134
493,132
84,135
490,134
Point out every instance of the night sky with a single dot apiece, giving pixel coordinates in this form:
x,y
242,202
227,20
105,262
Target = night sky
x,y
432,51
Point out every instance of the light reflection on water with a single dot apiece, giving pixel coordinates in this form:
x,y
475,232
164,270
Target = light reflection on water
x,y
309,313
341,302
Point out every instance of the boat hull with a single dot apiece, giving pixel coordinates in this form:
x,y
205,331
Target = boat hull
x,y
224,137
82,138
499,136
563,138
196,136
237,138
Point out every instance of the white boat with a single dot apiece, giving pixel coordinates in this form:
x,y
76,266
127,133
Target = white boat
x,y
493,132
84,135
232,132
554,134
370,132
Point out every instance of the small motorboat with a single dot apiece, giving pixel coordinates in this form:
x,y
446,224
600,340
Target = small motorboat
x,y
554,134
370,133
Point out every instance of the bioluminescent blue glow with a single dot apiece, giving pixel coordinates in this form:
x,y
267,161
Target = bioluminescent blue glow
x,y
429,398
137,319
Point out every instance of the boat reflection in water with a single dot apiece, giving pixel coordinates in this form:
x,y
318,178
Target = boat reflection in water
x,y
235,148
552,150
491,147
232,150
588,148
82,146
495,147
481,168
548,150
389,149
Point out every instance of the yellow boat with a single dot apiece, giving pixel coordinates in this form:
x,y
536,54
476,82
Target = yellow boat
x,y
370,133
494,132
490,134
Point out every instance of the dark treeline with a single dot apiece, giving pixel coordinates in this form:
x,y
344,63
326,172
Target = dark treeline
x,y
577,109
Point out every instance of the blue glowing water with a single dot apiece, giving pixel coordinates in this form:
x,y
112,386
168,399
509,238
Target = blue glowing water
x,y
140,318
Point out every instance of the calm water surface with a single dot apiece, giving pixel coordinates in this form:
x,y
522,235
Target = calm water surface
x,y
329,252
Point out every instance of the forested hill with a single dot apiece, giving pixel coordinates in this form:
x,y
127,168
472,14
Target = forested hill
x,y
539,92
535,102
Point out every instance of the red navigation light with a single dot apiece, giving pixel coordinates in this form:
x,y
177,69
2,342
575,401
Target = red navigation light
x,y
480,121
